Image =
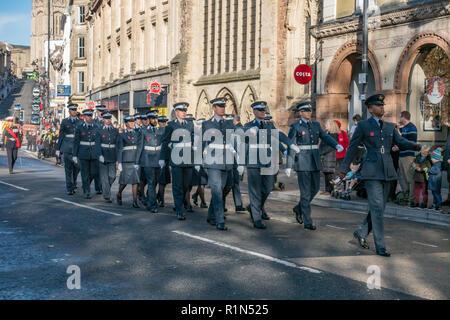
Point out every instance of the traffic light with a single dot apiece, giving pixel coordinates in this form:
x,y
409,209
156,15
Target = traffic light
x,y
22,115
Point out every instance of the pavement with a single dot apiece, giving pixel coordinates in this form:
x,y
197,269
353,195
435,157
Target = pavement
x,y
126,253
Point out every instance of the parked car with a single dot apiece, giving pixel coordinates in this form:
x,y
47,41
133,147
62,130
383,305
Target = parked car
x,y
36,92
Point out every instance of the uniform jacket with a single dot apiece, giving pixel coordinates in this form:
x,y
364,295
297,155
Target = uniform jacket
x,y
376,165
261,146
98,123
149,146
174,137
106,143
8,139
214,147
307,139
84,144
127,147
67,135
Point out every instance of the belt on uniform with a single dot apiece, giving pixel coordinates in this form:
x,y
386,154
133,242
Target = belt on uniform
x,y
69,136
129,148
152,148
182,145
259,146
86,143
381,149
109,146
12,139
219,146
308,147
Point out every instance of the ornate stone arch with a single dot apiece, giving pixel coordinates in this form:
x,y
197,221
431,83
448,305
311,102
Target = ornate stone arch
x,y
245,111
231,106
334,83
409,54
203,108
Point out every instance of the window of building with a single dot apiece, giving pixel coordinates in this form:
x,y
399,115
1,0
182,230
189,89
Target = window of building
x,y
81,47
153,53
81,14
80,82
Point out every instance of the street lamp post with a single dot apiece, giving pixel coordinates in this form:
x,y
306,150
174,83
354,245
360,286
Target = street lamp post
x,y
364,57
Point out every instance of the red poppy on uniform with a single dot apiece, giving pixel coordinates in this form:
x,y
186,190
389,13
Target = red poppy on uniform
x,y
371,134
303,132
68,127
103,136
83,134
129,138
148,138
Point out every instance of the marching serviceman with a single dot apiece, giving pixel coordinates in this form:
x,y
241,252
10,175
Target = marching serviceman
x,y
84,151
127,159
12,142
182,165
148,153
137,122
106,148
215,160
98,121
305,135
164,177
260,183
377,170
142,180
64,145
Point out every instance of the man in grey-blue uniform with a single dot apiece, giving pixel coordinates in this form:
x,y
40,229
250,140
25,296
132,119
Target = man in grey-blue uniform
x,y
215,150
180,133
84,151
148,153
378,136
64,145
106,148
260,183
99,123
305,134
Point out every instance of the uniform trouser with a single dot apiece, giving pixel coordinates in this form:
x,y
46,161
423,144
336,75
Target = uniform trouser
x,y
236,189
309,184
89,169
107,172
181,181
71,170
217,179
97,180
12,157
151,175
377,194
259,188
406,181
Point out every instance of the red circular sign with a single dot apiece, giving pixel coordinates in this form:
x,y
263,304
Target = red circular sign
x,y
91,105
155,87
303,74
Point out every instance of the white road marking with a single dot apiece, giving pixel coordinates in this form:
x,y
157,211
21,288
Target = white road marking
x,y
335,227
88,207
445,239
424,244
17,187
259,255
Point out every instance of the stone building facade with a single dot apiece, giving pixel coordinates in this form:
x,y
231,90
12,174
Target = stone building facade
x,y
129,49
409,51
245,50
20,60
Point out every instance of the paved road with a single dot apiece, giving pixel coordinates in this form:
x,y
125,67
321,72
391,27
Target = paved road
x,y
126,253
23,94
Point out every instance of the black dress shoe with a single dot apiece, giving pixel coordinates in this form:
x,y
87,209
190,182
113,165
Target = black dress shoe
x,y
154,210
239,209
161,204
259,225
135,204
225,209
310,227
211,222
108,200
423,205
413,204
195,200
298,214
362,242
180,216
70,193
87,196
264,215
383,252
221,226
75,190
98,192
203,205
189,209
119,199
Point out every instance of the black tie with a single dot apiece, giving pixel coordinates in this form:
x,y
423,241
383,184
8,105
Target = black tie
x,y
221,124
261,124
380,122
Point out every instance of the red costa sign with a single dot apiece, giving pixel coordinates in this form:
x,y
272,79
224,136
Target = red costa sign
x,y
303,74
155,87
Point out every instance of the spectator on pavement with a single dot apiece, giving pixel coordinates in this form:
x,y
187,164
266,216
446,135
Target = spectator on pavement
x,y
328,155
421,165
344,142
435,179
446,165
408,131
356,118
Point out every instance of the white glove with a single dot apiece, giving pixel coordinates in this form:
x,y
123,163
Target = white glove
x,y
295,148
101,159
197,168
240,170
57,153
136,166
119,167
162,163
339,148
288,172
75,160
